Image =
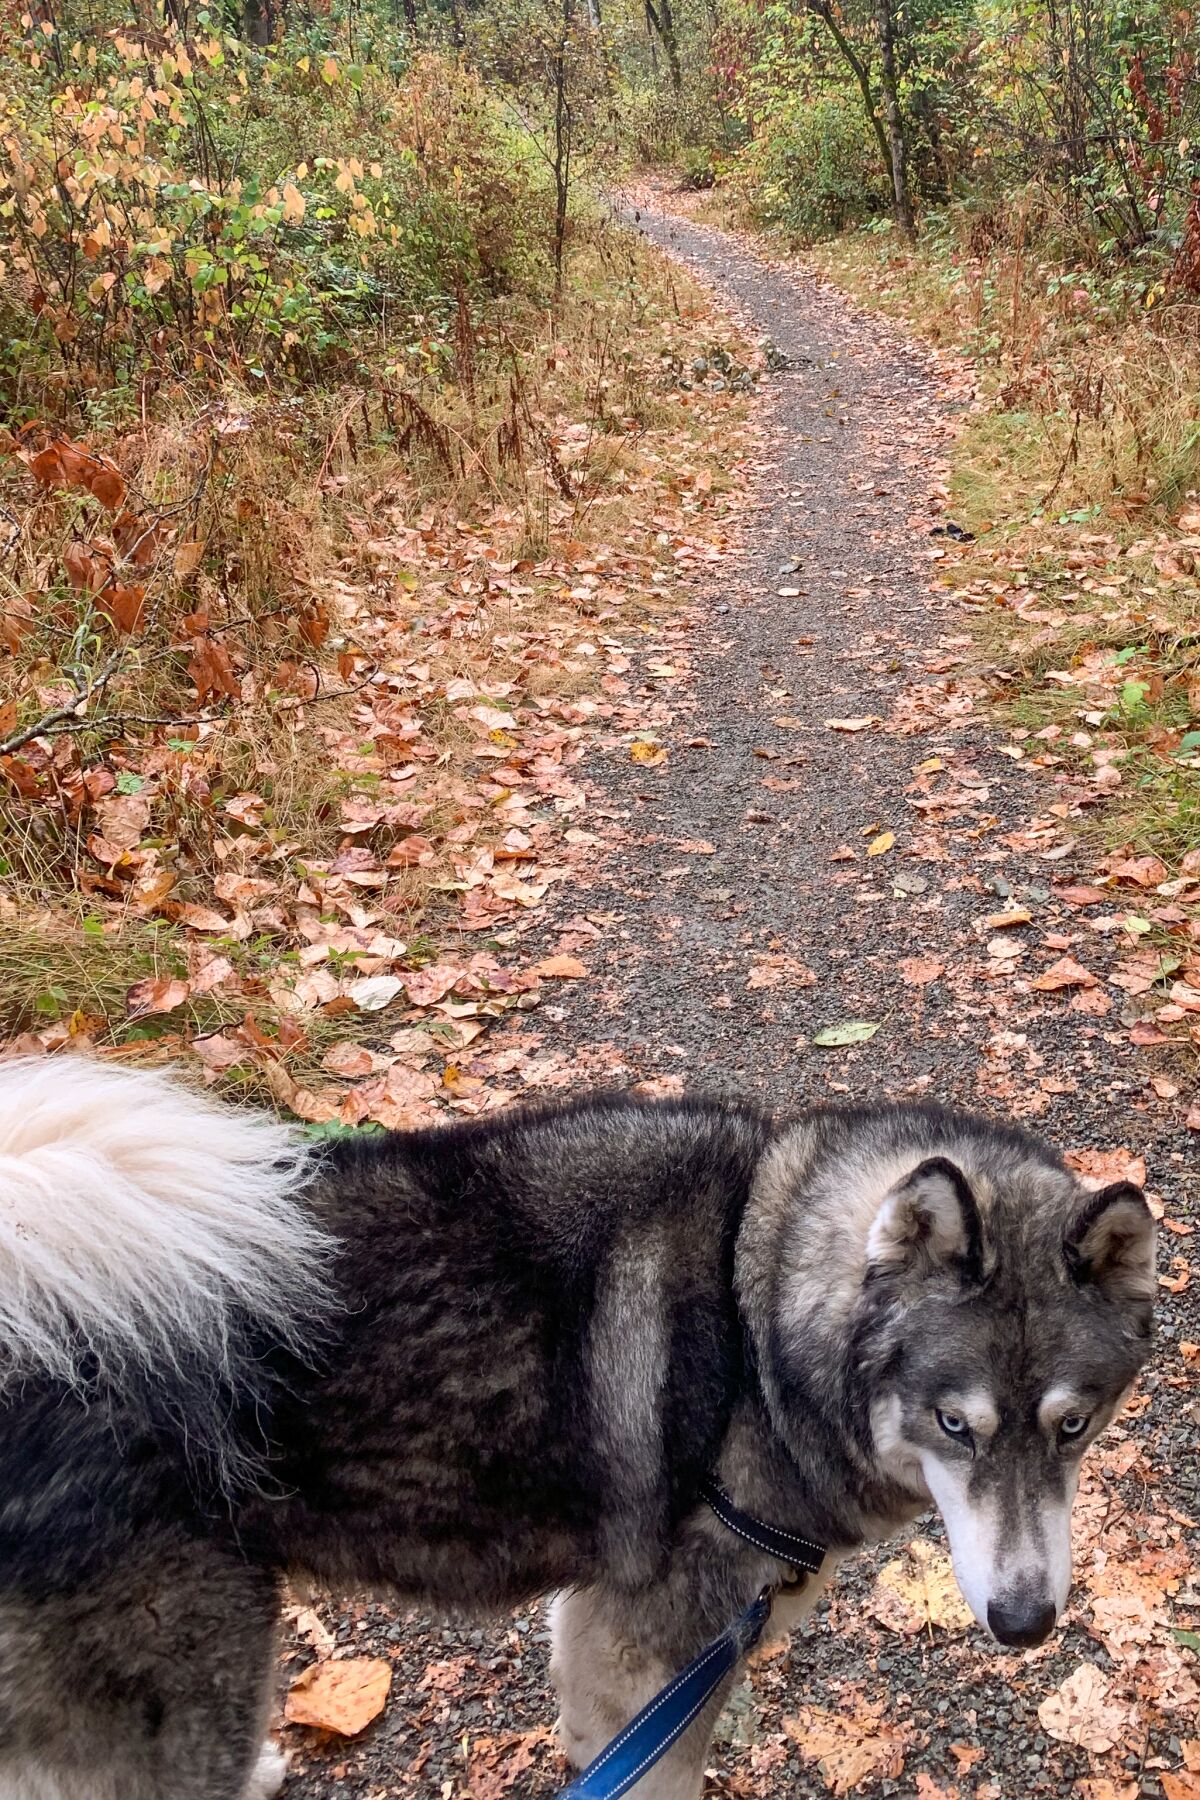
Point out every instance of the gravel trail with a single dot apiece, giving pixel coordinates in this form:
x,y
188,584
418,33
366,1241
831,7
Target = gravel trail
x,y
735,914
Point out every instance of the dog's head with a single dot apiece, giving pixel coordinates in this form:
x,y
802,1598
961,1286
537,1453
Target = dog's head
x,y
1003,1322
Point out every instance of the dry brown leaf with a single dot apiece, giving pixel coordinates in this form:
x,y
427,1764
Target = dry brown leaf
x,y
847,1751
1181,1787
919,971
780,971
1142,871
425,987
560,968
917,1591
160,994
1086,1711
1099,1167
1065,973
340,1696
123,819
863,724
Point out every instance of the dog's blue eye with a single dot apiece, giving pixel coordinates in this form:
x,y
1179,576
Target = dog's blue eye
x,y
1074,1425
953,1424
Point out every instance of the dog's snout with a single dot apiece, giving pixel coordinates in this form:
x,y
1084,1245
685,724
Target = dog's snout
x,y
1020,1622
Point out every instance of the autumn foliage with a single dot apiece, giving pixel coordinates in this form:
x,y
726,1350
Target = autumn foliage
x,y
316,501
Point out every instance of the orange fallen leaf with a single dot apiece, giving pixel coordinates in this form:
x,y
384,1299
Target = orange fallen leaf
x,y
160,994
561,968
1142,871
919,971
651,756
1181,1279
1065,973
1181,1786
340,1696
1103,1166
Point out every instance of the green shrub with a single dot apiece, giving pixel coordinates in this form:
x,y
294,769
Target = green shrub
x,y
814,169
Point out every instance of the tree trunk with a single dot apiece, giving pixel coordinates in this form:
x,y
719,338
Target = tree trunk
x,y
859,70
897,154
663,21
562,147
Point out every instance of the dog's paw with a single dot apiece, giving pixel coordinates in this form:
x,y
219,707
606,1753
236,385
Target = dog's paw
x,y
269,1771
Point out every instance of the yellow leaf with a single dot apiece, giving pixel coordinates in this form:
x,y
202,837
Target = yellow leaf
x,y
344,182
293,203
652,756
917,1590
880,845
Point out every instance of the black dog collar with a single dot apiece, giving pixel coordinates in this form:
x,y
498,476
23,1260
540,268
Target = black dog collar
x,y
772,1540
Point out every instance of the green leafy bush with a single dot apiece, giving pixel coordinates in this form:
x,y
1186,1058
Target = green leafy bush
x,y
814,168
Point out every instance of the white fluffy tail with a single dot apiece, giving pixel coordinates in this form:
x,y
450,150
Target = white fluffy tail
x,y
144,1228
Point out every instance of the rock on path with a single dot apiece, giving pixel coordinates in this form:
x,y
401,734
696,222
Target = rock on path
x,y
735,914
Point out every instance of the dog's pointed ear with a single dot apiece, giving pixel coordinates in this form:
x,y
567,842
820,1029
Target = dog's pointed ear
x,y
1111,1241
930,1221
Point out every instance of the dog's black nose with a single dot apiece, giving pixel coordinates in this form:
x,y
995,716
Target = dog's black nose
x,y
1021,1623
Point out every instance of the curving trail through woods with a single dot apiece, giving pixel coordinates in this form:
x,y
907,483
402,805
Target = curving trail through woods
x,y
778,877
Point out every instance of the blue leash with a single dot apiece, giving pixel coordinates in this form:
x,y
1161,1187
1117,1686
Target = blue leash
x,y
650,1735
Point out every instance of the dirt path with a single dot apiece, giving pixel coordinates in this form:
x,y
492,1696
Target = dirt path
x,y
735,914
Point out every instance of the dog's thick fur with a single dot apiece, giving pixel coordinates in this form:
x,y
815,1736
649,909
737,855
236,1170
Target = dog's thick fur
x,y
492,1361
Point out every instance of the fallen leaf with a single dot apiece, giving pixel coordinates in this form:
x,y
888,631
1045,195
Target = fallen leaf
x,y
1142,871
123,819
340,1696
779,971
846,1751
1181,1786
917,1591
1100,1167
919,971
375,992
1084,1711
560,968
863,724
879,846
161,994
425,987
853,1031
1065,973
651,756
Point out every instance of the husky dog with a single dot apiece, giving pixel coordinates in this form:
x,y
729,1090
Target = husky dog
x,y
478,1364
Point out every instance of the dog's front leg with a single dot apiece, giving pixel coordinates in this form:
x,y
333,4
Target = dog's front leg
x,y
606,1669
